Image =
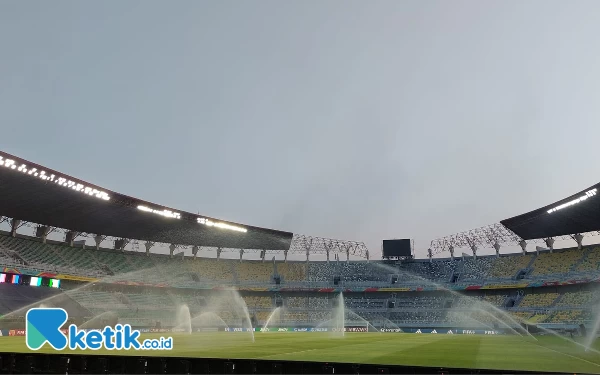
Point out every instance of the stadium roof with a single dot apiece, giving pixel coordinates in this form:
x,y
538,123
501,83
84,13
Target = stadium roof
x,y
33,193
572,217
578,213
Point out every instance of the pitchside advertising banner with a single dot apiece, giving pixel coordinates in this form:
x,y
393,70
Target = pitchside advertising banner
x,y
81,335
447,331
296,329
444,331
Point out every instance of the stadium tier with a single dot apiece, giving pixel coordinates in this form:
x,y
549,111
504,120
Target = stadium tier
x,y
30,254
147,290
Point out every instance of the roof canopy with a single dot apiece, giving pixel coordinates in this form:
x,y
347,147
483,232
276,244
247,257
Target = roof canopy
x,y
37,194
578,213
573,217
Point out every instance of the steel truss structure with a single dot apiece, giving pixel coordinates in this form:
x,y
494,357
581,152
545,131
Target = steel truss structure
x,y
301,244
494,236
318,245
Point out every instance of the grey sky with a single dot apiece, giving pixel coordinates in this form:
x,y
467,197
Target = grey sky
x,y
344,119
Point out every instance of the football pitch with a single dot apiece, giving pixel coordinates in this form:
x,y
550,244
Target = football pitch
x,y
547,353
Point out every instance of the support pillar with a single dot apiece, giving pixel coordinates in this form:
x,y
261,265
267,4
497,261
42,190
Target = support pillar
x,y
70,237
451,249
347,255
307,255
474,249
579,238
262,255
98,240
523,245
497,247
171,249
367,256
148,245
195,251
14,225
285,253
121,243
241,254
550,243
430,255
42,232
327,255
219,253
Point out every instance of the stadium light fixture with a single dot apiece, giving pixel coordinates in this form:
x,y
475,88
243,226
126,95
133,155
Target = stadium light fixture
x,y
588,194
209,223
62,181
165,212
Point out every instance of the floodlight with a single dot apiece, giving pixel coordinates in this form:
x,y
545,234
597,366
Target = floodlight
x,y
588,194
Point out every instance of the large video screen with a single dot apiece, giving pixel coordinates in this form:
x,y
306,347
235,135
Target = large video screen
x,y
397,248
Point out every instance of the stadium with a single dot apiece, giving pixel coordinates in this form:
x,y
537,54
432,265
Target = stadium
x,y
243,299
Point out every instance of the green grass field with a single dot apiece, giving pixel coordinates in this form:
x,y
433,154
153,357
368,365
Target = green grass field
x,y
466,351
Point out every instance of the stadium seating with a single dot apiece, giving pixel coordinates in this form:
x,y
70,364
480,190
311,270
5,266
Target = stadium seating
x,y
13,298
352,271
199,278
538,300
255,302
522,315
319,316
559,262
318,303
462,302
423,271
35,253
296,302
254,271
431,302
364,303
295,317
566,316
538,318
212,269
496,299
581,298
417,316
507,266
292,271
476,269
262,316
591,262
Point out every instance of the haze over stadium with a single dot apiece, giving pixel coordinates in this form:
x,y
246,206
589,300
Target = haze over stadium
x,y
361,121
353,121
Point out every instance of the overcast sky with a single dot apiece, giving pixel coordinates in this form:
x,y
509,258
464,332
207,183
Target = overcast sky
x,y
358,120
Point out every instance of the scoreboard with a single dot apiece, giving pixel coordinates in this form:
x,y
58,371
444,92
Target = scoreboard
x,y
397,248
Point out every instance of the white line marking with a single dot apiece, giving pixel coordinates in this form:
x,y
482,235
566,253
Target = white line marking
x,y
286,353
568,355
